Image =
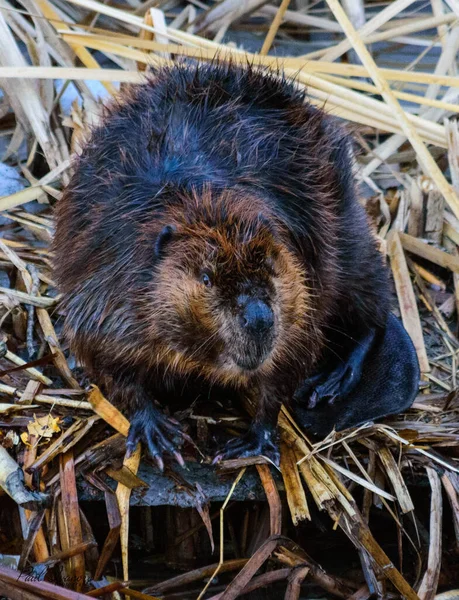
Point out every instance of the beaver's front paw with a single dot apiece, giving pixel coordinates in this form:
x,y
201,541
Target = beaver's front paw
x,y
338,381
325,386
159,433
260,440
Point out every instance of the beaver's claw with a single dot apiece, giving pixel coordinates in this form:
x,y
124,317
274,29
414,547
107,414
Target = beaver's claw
x,y
259,441
327,386
159,433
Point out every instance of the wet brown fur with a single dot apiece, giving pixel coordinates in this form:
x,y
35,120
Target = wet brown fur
x,y
144,326
178,328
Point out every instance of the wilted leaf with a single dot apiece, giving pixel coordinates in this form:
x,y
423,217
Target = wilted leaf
x,y
44,427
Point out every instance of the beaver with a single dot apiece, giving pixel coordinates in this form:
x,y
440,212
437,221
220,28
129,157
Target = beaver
x,y
211,235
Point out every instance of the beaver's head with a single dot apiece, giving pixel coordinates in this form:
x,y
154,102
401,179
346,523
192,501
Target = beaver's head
x,y
228,296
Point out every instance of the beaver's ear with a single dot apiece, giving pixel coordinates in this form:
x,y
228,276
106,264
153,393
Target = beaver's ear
x,y
164,237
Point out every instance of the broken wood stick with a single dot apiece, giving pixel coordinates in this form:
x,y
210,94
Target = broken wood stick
x,y
12,481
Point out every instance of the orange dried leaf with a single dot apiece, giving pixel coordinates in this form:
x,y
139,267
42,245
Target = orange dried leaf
x,y
44,427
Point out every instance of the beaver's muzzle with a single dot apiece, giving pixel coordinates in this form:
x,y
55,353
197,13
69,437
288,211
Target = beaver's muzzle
x,y
256,322
256,318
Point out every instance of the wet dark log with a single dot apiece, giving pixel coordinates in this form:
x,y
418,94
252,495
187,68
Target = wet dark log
x,y
164,490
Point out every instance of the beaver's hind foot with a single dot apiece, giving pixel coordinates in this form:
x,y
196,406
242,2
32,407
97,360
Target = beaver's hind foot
x,y
260,440
159,433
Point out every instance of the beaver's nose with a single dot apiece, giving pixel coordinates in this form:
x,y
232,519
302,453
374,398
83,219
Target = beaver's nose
x,y
256,317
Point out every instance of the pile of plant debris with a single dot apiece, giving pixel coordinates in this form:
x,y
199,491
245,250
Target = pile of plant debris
x,y
368,511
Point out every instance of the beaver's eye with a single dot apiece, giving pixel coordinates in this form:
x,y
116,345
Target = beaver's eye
x,y
206,280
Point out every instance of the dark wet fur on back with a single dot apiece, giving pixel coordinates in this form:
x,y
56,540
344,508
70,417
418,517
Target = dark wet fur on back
x,y
204,130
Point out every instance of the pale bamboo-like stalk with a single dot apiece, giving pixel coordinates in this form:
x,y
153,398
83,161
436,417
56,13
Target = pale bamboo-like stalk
x,y
274,27
426,161
383,16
